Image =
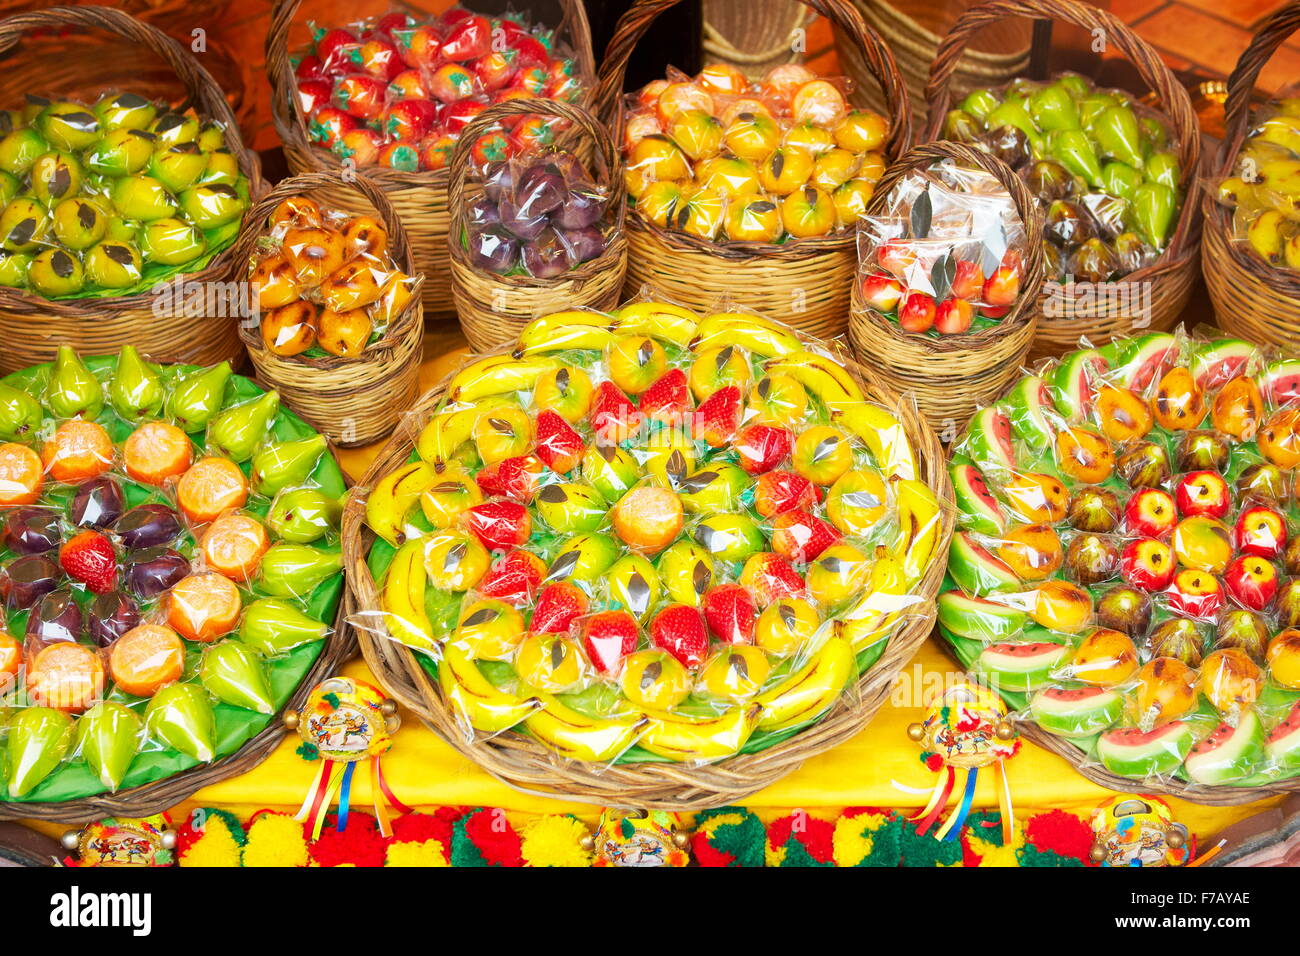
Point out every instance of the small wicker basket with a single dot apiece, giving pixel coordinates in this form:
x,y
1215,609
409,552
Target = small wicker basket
x,y
951,376
1251,298
33,327
803,282
420,198
493,309
1161,290
521,762
352,401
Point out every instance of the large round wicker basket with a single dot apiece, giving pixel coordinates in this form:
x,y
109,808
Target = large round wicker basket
x,y
1153,297
803,282
352,401
1211,796
952,375
912,31
420,198
1251,297
492,308
523,763
32,327
732,34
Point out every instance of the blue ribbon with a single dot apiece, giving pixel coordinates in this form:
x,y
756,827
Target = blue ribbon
x,y
345,793
963,811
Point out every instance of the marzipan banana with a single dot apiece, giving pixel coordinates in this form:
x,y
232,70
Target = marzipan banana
x,y
580,737
881,432
919,527
395,496
809,691
488,709
403,599
445,432
749,332
573,329
678,737
659,320
497,375
876,615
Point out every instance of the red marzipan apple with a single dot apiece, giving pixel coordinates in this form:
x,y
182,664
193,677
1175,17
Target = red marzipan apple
x,y
1150,514
881,292
897,256
917,312
1203,493
1196,594
953,316
1147,564
1260,531
1251,581
968,281
1002,287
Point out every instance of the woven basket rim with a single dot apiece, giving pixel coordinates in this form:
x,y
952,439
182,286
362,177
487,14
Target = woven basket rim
x,y
291,127
530,768
202,88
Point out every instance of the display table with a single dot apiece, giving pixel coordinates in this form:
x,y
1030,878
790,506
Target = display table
x,y
879,767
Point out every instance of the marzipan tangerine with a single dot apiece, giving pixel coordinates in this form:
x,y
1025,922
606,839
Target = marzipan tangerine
x,y
157,451
66,676
204,606
210,487
77,450
146,658
11,659
20,474
234,544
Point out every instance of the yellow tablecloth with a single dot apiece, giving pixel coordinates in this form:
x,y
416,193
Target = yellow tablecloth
x,y
879,767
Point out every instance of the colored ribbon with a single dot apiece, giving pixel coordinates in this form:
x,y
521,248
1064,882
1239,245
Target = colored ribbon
x,y
938,799
387,791
315,792
345,796
1004,803
321,811
952,827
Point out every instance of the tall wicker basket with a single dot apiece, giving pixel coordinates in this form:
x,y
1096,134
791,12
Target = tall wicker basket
x,y
1067,316
804,282
914,40
522,762
493,309
31,327
732,34
953,375
352,401
1251,298
420,198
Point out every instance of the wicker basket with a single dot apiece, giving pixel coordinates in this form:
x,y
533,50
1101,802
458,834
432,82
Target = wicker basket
x,y
493,309
952,375
521,762
1210,796
732,34
33,328
914,43
1169,281
803,282
420,198
151,798
1251,298
352,401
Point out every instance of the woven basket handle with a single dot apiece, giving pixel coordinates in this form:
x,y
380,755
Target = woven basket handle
x,y
1241,84
632,26
922,157
608,163
311,182
573,24
1173,97
198,81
